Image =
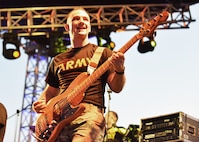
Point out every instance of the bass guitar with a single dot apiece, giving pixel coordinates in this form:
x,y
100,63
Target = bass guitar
x,y
66,107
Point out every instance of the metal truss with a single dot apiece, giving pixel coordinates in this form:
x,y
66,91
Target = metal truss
x,y
34,85
40,20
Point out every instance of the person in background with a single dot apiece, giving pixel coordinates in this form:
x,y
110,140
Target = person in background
x,y
67,66
114,133
3,120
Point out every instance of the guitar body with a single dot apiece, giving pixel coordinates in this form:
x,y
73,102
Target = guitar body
x,y
60,110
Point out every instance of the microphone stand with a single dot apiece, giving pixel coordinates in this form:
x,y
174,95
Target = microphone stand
x,y
17,114
109,91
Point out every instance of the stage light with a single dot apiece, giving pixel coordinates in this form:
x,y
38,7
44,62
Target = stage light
x,y
108,43
103,37
112,45
146,46
11,46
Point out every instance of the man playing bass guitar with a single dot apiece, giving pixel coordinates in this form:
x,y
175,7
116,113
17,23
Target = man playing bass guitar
x,y
65,90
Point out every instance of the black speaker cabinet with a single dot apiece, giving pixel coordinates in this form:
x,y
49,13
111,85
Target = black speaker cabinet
x,y
175,127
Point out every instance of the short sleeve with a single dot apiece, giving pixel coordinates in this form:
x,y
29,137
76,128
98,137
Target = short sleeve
x,y
51,77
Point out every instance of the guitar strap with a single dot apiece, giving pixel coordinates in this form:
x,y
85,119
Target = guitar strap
x,y
95,60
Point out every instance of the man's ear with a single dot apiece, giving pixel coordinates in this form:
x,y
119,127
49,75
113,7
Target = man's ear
x,y
66,26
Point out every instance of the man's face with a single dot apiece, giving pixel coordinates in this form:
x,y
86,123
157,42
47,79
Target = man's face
x,y
79,23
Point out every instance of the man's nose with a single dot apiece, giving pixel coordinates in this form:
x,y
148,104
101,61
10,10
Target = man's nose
x,y
81,20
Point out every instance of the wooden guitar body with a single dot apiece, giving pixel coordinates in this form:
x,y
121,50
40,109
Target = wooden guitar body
x,y
60,110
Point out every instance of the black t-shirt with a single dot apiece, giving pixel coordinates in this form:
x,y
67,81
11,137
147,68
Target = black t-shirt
x,y
66,66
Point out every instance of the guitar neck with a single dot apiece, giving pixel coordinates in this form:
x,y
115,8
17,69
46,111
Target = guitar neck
x,y
130,43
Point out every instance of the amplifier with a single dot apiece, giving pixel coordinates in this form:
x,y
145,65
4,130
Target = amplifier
x,y
175,127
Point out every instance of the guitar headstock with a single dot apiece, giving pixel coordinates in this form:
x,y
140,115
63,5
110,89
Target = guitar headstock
x,y
149,27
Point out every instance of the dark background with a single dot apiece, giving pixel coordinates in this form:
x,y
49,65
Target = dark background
x,y
44,3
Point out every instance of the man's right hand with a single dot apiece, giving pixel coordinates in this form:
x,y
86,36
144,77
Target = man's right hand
x,y
39,106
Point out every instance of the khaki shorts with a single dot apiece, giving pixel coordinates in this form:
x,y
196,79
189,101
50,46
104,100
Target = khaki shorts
x,y
89,127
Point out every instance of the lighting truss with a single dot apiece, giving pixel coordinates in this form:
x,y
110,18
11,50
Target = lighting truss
x,y
38,20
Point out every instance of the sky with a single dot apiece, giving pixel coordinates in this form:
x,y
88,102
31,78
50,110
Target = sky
x,y
157,83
